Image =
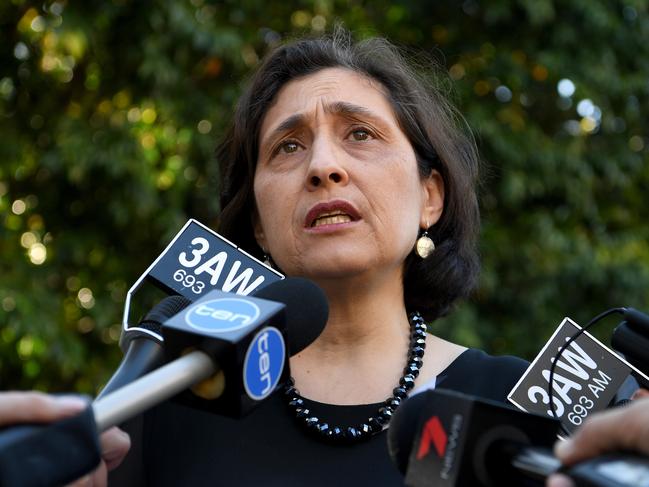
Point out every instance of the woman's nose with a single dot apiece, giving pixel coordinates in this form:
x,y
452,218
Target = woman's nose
x,y
326,166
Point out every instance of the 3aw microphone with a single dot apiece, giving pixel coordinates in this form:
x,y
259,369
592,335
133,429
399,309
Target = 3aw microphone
x,y
196,261
587,376
444,438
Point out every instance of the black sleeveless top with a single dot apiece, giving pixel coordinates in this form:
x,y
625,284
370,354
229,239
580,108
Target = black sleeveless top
x,y
173,445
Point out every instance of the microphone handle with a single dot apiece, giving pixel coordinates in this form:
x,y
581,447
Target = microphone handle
x,y
152,389
142,356
614,470
510,462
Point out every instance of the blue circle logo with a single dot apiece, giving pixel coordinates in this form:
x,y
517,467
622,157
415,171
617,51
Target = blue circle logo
x,y
264,363
220,315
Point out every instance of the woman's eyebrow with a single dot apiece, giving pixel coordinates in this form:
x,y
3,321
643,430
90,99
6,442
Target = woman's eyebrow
x,y
339,108
287,125
348,109
361,114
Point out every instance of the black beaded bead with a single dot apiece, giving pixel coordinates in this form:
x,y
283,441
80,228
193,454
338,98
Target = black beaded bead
x,y
352,433
386,413
393,402
296,402
302,413
336,433
407,381
419,342
419,361
400,392
419,334
417,352
411,369
374,424
311,421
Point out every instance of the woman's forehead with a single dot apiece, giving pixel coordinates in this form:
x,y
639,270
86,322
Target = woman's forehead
x,y
328,91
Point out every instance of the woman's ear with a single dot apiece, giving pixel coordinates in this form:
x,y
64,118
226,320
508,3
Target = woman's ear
x,y
432,199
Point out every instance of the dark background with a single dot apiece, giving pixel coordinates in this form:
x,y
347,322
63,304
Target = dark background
x,y
110,112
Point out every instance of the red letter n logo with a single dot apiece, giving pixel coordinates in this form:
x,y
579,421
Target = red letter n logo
x,y
434,433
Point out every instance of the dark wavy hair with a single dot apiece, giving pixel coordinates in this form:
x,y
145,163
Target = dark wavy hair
x,y
436,131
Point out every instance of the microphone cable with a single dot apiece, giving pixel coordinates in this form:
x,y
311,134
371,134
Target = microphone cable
x,y
557,357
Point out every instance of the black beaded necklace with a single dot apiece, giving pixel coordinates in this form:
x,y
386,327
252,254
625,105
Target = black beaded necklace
x,y
374,424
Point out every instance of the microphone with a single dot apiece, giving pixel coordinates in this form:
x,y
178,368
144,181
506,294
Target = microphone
x,y
239,332
444,438
230,349
290,292
586,379
196,261
143,351
631,338
220,328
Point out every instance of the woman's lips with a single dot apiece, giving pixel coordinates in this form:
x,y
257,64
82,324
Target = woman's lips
x,y
337,212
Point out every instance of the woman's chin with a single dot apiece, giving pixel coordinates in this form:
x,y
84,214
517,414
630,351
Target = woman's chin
x,y
334,269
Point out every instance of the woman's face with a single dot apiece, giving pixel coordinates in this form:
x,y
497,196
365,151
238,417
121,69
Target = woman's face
x,y
337,188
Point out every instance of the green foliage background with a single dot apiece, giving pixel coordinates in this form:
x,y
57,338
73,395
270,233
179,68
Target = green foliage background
x,y
109,113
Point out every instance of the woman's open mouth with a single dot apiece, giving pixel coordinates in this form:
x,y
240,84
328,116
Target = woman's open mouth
x,y
335,212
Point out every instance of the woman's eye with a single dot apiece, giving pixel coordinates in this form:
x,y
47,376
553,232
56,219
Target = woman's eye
x,y
288,147
360,134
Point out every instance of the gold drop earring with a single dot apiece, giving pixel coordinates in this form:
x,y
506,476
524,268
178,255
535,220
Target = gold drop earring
x,y
425,245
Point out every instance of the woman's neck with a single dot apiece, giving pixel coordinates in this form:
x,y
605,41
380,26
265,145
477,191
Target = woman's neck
x,y
361,353
360,356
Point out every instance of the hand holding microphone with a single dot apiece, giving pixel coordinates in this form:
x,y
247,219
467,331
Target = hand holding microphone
x,y
623,428
18,407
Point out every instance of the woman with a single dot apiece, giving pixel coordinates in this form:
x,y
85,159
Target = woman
x,y
339,162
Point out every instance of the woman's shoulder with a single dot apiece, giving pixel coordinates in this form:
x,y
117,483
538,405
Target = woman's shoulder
x,y
477,373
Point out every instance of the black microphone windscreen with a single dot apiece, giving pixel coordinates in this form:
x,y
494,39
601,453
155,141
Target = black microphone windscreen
x,y
307,309
403,429
164,310
634,345
637,320
153,320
